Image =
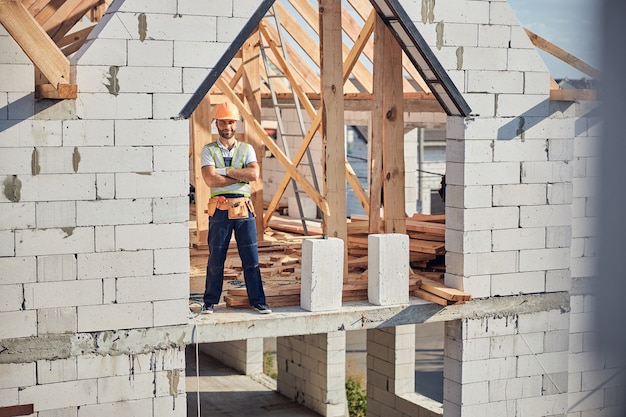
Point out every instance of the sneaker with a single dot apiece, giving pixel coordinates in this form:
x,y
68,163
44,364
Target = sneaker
x,y
262,308
207,309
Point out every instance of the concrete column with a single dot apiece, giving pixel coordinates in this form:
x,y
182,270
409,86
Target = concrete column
x,y
322,274
388,269
245,356
311,371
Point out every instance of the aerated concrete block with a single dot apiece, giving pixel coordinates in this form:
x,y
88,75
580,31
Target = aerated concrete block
x,y
322,274
388,269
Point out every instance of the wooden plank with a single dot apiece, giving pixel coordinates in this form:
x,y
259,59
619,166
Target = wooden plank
x,y
444,291
426,246
17,410
426,227
35,42
563,55
437,218
426,236
72,42
429,297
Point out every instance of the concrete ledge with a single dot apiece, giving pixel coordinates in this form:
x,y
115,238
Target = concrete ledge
x,y
234,324
237,324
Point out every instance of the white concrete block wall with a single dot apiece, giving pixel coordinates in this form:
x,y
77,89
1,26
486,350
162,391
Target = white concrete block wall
x,y
391,374
246,356
93,213
93,385
497,365
311,371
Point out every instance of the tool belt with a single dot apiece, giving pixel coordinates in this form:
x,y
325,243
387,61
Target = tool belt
x,y
238,207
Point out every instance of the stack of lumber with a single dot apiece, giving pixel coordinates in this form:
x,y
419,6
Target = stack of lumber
x,y
426,238
288,294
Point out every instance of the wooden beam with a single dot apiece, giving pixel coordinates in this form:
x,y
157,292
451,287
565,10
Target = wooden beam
x,y
393,136
72,42
563,55
35,42
333,137
375,142
251,51
273,147
200,130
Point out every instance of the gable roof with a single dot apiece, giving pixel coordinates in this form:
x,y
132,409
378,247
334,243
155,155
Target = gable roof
x,y
400,25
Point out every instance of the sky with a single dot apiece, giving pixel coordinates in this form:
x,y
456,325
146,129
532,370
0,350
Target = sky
x,y
571,25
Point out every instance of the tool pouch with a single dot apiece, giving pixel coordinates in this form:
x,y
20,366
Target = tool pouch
x,y
238,210
212,206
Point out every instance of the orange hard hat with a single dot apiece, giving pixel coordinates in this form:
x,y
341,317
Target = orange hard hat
x,y
226,111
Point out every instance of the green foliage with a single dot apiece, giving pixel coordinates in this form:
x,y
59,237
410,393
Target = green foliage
x,y
357,398
268,365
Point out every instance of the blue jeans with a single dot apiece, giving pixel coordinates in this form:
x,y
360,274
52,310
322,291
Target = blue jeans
x,y
220,231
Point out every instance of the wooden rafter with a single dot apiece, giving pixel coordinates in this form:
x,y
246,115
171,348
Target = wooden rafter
x,y
308,44
311,16
286,70
65,17
298,65
35,42
563,55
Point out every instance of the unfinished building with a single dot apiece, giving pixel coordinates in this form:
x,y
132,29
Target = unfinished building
x,y
100,104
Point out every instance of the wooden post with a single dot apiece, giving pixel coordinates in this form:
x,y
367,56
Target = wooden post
x,y
392,133
376,130
333,145
252,100
200,128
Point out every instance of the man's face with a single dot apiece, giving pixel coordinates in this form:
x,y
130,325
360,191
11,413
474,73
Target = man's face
x,y
227,128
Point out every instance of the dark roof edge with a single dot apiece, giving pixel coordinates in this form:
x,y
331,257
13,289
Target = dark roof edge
x,y
230,53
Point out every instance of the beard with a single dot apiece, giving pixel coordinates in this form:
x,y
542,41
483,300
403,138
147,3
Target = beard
x,y
226,133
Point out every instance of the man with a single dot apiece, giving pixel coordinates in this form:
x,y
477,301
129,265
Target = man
x,y
228,167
